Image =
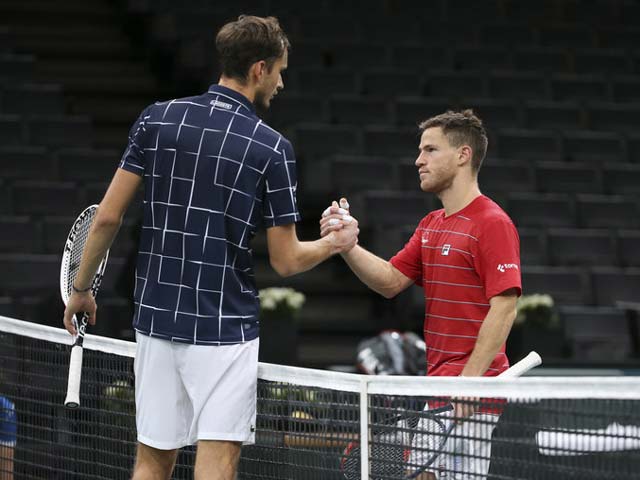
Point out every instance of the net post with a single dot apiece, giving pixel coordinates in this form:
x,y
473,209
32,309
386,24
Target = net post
x,y
364,428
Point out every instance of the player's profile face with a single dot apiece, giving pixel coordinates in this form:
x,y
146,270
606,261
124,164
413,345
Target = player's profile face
x,y
436,161
272,82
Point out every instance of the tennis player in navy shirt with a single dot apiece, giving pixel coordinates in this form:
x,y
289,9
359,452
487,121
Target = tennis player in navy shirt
x,y
213,173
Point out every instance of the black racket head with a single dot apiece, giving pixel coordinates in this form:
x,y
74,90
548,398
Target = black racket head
x,y
387,460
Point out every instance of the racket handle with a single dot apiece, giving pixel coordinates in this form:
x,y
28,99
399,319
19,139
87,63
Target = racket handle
x,y
73,384
524,365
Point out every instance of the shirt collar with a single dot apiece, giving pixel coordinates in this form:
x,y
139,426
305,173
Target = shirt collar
x,y
216,89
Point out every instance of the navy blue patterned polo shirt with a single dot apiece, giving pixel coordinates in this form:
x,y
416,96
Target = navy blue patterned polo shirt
x,y
213,174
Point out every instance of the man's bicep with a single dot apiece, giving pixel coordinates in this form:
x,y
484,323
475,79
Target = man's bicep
x,y
120,193
506,299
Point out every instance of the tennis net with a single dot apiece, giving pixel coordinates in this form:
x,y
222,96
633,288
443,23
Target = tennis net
x,y
311,423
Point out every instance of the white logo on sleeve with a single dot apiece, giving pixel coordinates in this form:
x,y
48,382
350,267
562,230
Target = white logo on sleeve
x,y
219,104
502,267
445,249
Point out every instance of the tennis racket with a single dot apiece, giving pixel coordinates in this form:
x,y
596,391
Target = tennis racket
x,y
71,257
391,449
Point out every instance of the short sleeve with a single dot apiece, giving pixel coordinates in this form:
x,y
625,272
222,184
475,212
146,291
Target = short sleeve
x,y
280,206
498,257
133,157
409,260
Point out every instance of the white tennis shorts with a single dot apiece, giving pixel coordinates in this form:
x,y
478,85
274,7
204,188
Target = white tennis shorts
x,y
466,453
186,393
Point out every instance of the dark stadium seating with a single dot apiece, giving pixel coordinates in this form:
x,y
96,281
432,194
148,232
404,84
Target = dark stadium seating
x,y
575,247
557,84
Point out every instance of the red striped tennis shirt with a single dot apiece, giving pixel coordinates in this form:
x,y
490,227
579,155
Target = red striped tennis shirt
x,y
461,261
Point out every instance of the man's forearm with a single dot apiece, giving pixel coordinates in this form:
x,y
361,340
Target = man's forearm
x,y
493,334
308,255
100,239
373,271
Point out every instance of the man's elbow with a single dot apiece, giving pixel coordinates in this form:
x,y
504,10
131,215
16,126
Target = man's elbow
x,y
282,267
107,220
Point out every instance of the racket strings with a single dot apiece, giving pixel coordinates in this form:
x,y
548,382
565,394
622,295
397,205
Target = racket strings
x,y
74,254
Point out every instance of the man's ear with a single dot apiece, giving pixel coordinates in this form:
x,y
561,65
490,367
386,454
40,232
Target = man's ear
x,y
258,70
465,154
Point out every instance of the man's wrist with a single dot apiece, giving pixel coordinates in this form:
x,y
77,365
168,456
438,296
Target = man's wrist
x,y
80,290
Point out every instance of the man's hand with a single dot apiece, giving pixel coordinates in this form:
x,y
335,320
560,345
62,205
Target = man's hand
x,y
79,303
464,407
339,226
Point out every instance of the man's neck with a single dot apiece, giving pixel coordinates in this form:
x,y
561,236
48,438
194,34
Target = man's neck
x,y
458,196
235,85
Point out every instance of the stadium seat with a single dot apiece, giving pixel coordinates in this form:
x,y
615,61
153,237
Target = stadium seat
x,y
17,67
567,285
355,173
541,59
20,234
326,82
391,141
27,273
60,131
357,110
618,36
581,247
623,179
502,175
564,177
454,85
410,111
382,208
518,85
633,147
590,146
626,89
32,99
495,113
32,197
541,210
397,29
390,83
291,109
578,87
598,60
629,247
612,285
607,211
85,164
533,246
314,140
482,58
27,163
506,33
11,130
419,58
522,143
614,117
596,334
566,36
408,177
547,115
357,56
313,54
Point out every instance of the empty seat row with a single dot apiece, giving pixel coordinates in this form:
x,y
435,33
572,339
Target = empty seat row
x,y
66,164
55,131
32,99
315,140
422,58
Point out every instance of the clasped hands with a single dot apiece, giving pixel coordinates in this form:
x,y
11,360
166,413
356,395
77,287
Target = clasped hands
x,y
339,227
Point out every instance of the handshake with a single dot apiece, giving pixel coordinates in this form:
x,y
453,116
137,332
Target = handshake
x,y
339,227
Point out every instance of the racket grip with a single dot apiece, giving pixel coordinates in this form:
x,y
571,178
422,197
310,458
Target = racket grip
x,y
532,360
73,384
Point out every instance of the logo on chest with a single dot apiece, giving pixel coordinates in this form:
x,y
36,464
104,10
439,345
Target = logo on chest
x,y
445,249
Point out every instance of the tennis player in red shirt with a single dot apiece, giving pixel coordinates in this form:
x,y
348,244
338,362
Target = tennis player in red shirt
x,y
466,257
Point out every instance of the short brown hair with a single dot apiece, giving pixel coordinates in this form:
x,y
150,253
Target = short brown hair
x,y
462,128
248,40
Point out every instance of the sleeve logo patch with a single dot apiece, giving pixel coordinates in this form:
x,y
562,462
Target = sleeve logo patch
x,y
502,267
